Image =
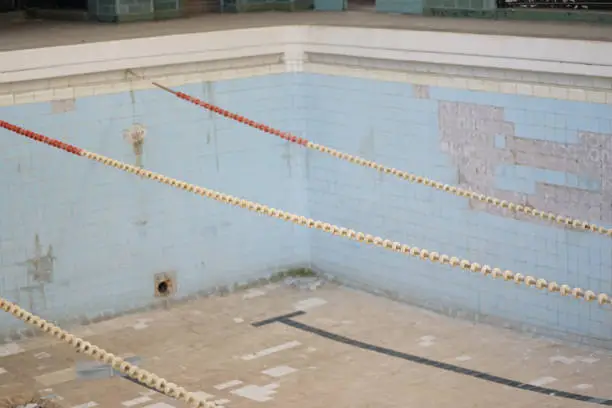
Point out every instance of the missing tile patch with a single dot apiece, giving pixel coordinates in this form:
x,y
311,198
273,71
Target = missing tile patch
x,y
10,349
62,105
136,401
543,381
279,371
587,360
272,350
90,404
142,324
203,395
253,293
427,341
428,338
421,91
56,377
256,393
309,303
229,384
561,359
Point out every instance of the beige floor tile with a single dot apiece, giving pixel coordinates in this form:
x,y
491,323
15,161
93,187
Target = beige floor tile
x,y
210,347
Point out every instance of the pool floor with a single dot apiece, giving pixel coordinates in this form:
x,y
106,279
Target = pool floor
x,y
330,347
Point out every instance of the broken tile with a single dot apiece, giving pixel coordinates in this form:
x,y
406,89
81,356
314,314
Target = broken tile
x,y
279,371
229,384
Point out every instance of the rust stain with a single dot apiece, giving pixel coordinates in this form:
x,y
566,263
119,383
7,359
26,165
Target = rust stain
x,y
40,267
207,88
39,272
135,135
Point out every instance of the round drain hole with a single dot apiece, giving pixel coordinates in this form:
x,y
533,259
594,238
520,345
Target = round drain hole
x,y
164,284
163,288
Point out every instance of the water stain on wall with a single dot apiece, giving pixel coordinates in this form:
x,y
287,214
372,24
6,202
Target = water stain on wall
x,y
63,105
367,148
286,155
135,135
40,266
39,272
209,93
421,91
468,134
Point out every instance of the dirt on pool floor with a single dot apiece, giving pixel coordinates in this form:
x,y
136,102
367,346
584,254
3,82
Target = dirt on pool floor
x,y
335,347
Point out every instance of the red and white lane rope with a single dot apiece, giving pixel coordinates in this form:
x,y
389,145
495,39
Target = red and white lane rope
x,y
514,207
424,254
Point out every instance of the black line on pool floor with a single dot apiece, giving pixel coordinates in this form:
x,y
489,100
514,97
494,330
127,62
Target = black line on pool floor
x,y
277,318
286,319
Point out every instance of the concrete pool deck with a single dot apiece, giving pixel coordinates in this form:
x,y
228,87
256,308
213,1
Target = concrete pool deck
x,y
347,349
37,34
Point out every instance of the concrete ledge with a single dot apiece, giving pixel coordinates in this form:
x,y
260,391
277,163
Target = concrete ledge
x,y
554,56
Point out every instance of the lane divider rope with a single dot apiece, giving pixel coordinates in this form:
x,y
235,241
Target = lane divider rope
x,y
423,254
508,205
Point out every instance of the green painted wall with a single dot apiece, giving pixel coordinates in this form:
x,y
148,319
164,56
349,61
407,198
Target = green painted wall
x,y
400,6
134,10
330,5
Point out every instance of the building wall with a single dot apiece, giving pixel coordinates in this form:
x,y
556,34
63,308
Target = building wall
x,y
551,154
109,232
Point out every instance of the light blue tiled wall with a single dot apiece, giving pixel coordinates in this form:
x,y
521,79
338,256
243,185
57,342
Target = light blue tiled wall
x,y
554,154
395,125
111,232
